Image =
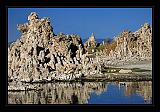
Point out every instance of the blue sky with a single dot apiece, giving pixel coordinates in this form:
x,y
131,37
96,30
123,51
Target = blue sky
x,y
103,22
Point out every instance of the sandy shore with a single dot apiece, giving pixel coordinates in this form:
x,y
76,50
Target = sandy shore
x,y
132,63
142,65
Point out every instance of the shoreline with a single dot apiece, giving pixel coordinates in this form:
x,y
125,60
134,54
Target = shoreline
x,y
108,78
138,74
85,80
140,64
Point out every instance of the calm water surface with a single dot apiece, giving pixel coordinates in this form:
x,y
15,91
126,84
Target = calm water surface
x,y
86,93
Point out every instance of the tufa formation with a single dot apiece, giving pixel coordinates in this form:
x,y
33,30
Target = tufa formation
x,y
136,44
128,47
40,55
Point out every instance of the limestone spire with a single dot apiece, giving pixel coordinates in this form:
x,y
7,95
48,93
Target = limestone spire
x,y
32,16
92,37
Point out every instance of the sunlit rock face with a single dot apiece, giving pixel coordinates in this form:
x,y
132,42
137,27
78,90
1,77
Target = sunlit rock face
x,y
57,93
90,44
41,55
132,44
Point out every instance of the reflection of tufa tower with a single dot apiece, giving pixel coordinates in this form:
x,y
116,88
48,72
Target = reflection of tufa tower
x,y
58,93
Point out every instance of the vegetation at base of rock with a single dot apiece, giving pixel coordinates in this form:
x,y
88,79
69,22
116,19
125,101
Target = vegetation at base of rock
x,y
100,48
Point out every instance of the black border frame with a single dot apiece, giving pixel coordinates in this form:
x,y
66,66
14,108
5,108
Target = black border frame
x,y
152,107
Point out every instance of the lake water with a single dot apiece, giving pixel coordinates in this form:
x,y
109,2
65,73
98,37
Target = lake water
x,y
86,93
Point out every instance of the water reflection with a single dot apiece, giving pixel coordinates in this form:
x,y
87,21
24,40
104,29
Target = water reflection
x,y
78,93
142,88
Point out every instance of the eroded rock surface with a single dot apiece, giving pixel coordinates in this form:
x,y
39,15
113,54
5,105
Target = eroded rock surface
x,y
41,55
138,44
129,46
90,44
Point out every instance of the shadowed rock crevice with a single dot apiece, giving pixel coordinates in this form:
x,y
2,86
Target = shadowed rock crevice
x,y
38,48
73,49
74,99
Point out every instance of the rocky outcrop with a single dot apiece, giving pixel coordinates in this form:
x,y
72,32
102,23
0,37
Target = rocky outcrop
x,y
132,44
128,47
90,44
137,44
41,55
